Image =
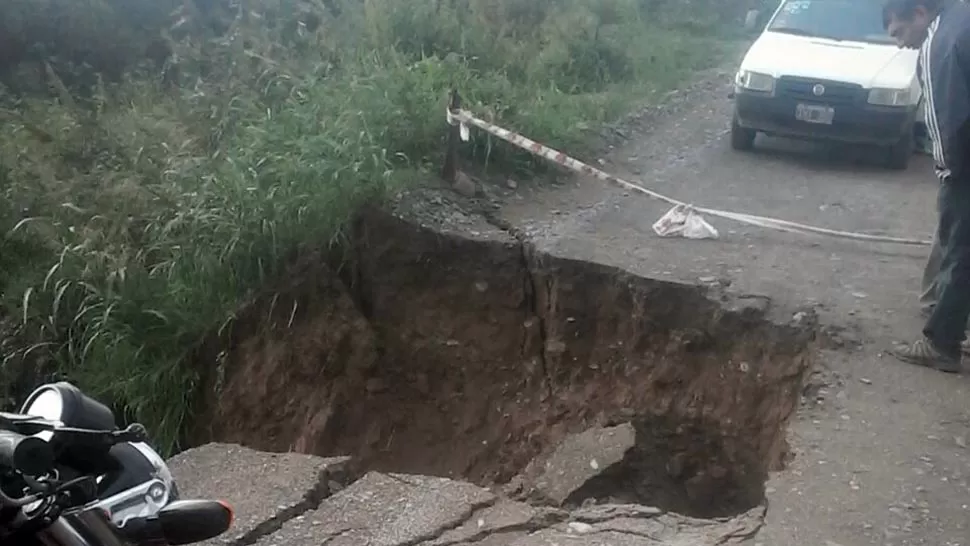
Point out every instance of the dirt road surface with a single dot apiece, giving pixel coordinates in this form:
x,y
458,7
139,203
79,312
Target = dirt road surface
x,y
881,451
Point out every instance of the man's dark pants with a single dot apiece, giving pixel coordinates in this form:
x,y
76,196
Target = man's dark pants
x,y
947,323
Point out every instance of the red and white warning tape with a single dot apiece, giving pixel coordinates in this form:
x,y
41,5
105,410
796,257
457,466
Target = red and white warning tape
x,y
465,118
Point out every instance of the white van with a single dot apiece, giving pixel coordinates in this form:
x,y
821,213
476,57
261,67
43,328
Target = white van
x,y
827,70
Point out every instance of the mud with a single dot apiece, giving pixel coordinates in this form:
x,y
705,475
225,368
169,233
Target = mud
x,y
470,357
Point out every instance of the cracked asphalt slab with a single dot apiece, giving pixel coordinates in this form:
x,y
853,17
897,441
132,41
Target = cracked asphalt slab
x,y
293,500
881,451
264,489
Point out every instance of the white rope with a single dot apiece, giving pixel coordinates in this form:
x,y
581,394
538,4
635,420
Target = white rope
x,y
464,117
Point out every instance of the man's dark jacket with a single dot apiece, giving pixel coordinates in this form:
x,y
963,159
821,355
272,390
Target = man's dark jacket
x,y
948,71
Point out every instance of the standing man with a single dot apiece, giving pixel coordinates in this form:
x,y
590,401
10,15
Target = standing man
x,y
941,31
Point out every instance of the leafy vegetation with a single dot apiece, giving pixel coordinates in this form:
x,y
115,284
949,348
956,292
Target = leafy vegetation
x,y
161,159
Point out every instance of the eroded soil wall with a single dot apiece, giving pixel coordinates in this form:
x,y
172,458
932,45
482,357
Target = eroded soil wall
x,y
441,354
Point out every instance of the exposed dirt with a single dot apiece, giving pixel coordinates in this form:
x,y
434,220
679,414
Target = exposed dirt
x,y
435,353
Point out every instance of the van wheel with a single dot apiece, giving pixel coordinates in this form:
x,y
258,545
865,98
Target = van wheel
x,y
742,139
899,154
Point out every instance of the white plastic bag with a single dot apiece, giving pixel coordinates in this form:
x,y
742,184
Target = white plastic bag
x,y
683,221
462,128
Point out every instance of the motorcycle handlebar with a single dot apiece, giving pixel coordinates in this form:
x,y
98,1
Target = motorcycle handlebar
x,y
26,454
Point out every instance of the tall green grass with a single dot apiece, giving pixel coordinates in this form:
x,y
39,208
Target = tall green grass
x,y
143,204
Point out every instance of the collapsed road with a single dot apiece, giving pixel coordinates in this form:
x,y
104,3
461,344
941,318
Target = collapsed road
x,y
585,399
558,400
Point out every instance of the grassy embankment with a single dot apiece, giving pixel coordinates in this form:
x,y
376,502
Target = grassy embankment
x,y
143,200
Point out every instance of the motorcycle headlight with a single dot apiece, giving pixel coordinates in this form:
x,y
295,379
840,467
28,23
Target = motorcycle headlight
x,y
890,97
755,81
146,498
66,403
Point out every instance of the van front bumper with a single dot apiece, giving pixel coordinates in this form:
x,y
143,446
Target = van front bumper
x,y
854,122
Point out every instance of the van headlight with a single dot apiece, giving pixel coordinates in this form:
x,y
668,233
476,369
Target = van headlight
x,y
890,97
755,81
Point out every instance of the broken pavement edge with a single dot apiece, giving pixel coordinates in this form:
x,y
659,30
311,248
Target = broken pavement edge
x,y
305,500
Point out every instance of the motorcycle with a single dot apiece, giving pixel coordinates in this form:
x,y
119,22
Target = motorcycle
x,y
69,476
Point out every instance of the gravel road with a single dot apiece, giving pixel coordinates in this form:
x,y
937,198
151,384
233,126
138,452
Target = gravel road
x,y
881,447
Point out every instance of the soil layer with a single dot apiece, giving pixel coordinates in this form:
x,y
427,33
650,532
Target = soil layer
x,y
459,356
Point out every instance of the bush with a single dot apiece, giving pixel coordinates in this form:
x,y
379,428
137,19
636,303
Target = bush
x,y
146,195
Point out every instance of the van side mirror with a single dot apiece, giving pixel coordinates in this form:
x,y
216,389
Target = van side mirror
x,y
752,20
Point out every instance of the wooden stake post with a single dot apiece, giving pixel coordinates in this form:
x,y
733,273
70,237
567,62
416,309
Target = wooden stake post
x,y
450,170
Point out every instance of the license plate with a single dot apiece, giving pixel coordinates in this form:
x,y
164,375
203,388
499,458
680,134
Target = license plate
x,y
811,113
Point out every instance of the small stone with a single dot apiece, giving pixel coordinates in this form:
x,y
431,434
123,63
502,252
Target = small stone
x,y
511,184
580,527
961,441
865,381
555,347
464,185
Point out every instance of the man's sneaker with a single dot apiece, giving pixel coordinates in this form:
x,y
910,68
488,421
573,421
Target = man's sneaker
x,y
923,353
927,310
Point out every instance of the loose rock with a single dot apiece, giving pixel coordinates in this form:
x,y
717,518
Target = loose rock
x,y
571,463
465,186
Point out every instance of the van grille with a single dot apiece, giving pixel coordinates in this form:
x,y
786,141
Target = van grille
x,y
835,92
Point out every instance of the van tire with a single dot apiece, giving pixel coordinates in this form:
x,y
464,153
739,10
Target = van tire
x,y
742,139
899,154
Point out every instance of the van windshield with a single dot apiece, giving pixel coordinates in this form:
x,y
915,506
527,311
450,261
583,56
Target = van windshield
x,y
849,20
